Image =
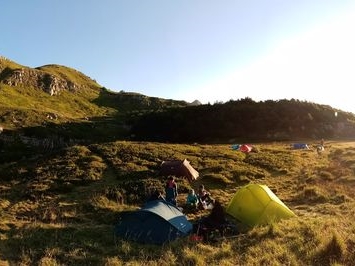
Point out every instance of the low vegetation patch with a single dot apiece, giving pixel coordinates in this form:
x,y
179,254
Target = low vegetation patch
x,y
61,209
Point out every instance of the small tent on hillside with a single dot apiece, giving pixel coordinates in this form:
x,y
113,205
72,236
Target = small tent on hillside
x,y
300,146
256,204
246,148
157,222
179,168
235,147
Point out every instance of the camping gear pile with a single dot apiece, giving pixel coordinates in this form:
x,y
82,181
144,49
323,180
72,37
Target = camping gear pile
x,y
159,222
215,226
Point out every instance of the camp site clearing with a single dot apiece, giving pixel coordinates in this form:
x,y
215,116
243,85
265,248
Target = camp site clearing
x,y
63,209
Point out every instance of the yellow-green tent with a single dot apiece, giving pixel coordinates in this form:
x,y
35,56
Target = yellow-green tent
x,y
256,204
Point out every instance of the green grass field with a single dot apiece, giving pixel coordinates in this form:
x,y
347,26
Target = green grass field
x,y
61,209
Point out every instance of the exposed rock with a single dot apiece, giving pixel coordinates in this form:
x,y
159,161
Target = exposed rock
x,y
13,74
36,78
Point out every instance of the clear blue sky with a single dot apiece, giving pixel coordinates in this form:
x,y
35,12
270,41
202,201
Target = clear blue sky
x,y
193,49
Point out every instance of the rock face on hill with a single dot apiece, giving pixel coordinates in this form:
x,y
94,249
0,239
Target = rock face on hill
x,y
36,78
13,74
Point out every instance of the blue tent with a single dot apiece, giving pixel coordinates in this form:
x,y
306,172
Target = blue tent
x,y
235,147
157,222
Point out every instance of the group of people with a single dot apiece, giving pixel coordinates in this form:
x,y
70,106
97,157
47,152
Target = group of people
x,y
208,228
199,200
194,200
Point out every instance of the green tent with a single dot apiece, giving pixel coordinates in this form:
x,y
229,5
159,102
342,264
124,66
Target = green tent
x,y
256,204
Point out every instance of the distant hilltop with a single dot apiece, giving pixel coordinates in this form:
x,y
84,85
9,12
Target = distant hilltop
x,y
196,102
62,105
50,78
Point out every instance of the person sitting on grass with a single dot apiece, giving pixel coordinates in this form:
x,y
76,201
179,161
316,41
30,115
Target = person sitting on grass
x,y
192,199
204,197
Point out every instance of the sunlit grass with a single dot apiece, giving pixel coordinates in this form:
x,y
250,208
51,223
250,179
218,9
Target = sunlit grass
x,y
61,210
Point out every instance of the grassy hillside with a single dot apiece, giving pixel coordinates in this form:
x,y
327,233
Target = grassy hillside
x,y
71,74
33,100
57,102
65,106
19,103
61,209
68,167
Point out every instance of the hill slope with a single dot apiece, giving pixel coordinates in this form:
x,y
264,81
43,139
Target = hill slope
x,y
64,93
30,97
56,102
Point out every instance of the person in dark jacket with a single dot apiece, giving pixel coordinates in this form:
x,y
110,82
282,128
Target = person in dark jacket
x,y
217,217
171,191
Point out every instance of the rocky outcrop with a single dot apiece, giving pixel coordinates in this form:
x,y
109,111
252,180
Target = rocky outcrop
x,y
29,77
36,78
